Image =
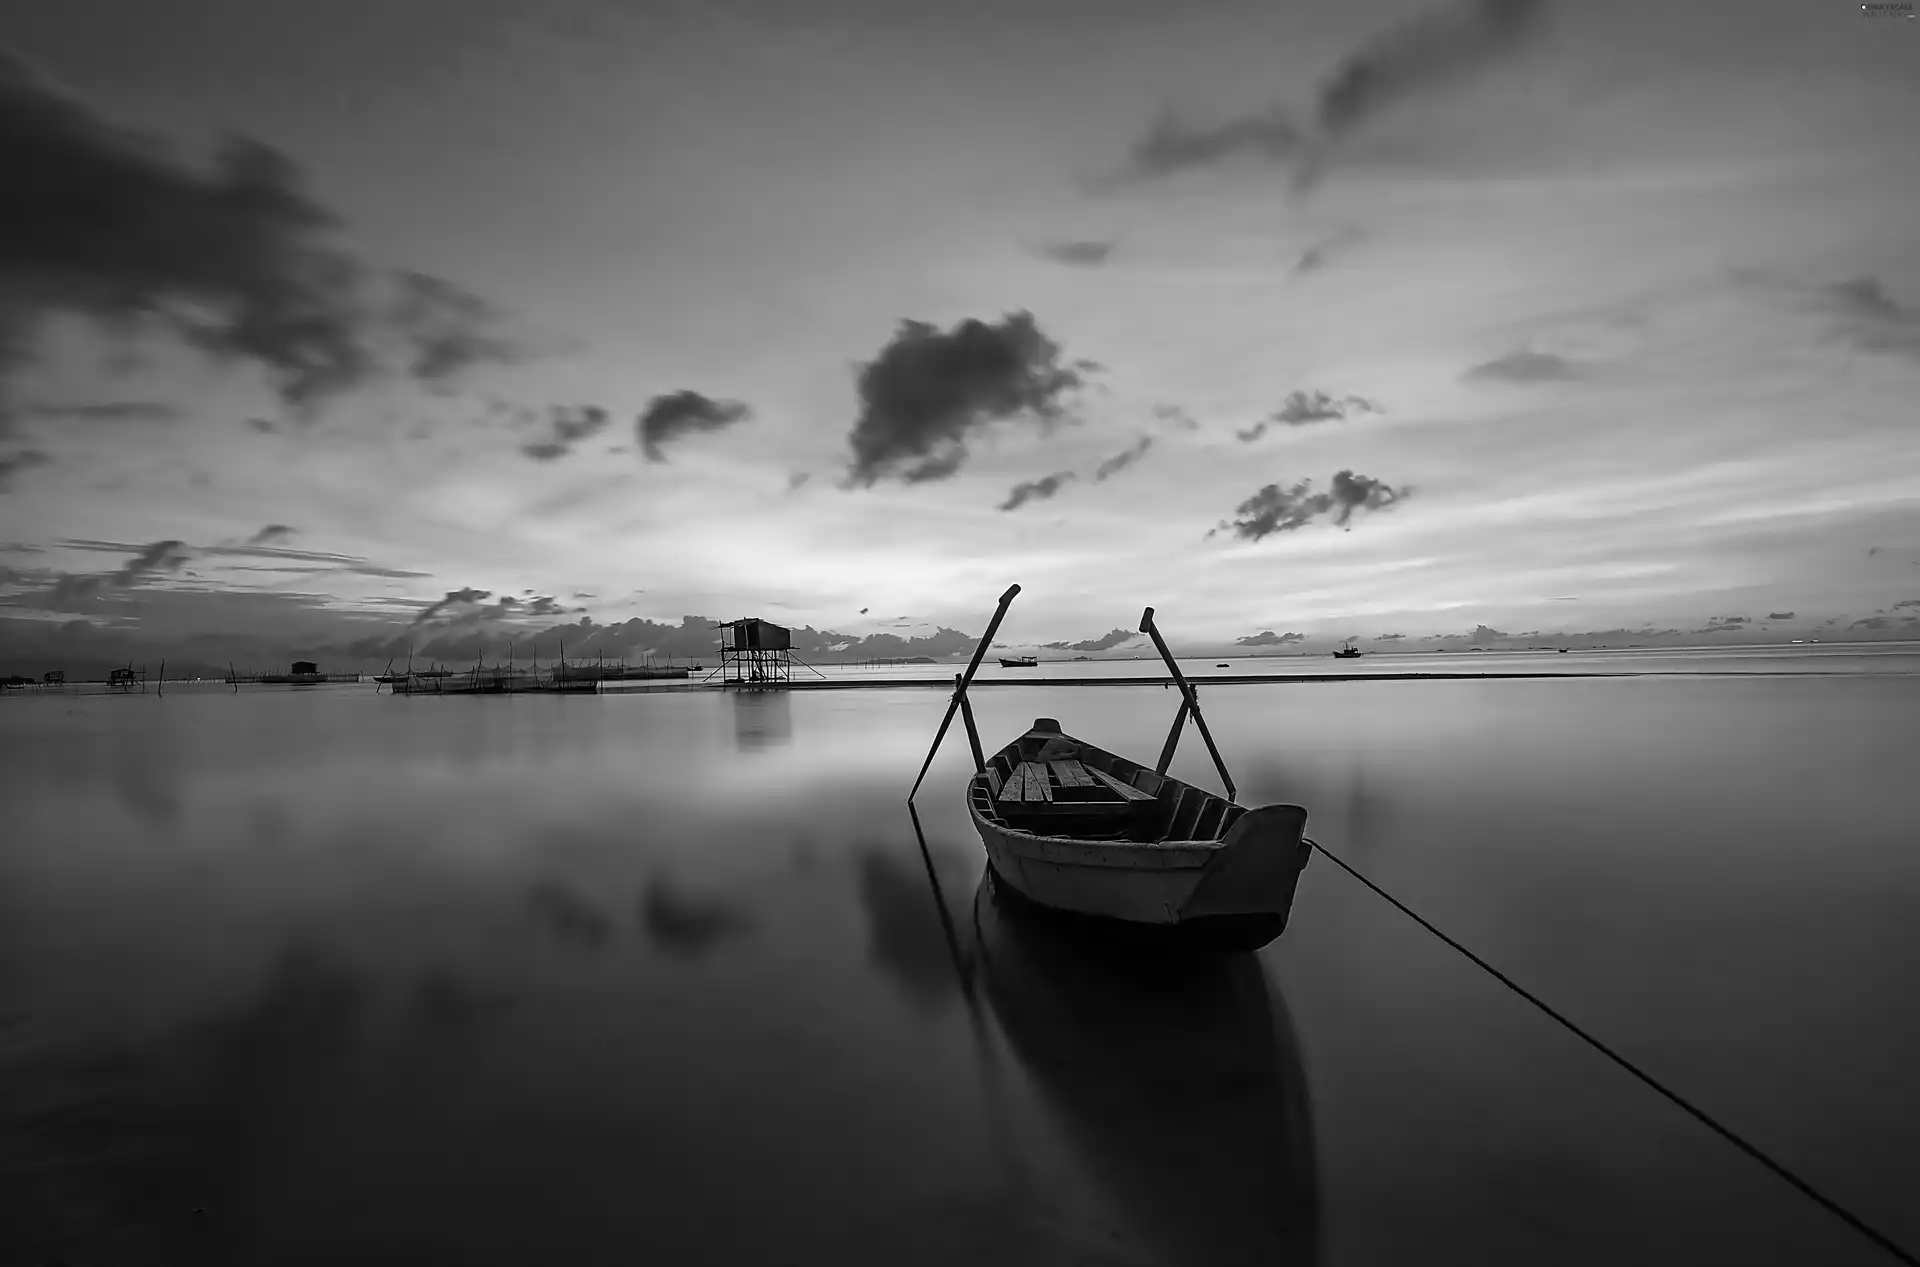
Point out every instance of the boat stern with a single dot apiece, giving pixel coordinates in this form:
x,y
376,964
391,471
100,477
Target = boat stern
x,y
1257,867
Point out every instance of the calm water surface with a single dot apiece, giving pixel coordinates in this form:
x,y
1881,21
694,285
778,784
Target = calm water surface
x,y
663,978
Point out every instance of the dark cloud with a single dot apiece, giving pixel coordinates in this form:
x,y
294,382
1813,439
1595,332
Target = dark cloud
x,y
1871,622
797,479
1523,367
106,223
105,411
1173,146
1077,254
1302,409
1175,418
927,392
1421,54
683,413
264,426
17,463
454,599
1779,615
1274,509
1723,624
447,328
567,425
1405,62
1112,638
1872,320
270,534
1392,637
1486,635
1122,460
1872,550
1035,490
149,561
1268,638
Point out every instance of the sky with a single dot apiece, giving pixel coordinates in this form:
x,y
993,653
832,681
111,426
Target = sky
x,y
354,324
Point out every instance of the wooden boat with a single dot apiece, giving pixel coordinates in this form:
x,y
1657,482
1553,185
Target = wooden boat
x,y
1078,829
1019,662
1093,835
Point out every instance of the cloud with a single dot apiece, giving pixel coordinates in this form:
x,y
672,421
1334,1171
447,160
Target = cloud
x,y
683,413
927,392
1723,624
462,598
1122,460
1175,418
797,479
105,223
1076,254
446,328
1524,367
1392,637
1035,490
1486,635
567,425
1872,320
1905,602
1872,550
105,411
1871,622
1422,54
150,560
1779,615
1112,638
1404,63
1274,509
270,534
17,463
1172,146
1301,409
1268,638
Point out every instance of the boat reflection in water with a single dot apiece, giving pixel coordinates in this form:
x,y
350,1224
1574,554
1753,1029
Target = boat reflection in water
x,y
1175,1078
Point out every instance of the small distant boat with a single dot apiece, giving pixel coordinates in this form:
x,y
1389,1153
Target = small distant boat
x,y
1019,662
1347,652
1223,665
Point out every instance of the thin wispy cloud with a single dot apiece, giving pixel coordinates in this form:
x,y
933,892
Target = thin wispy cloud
x,y
18,463
1035,490
930,391
567,425
104,411
1524,366
1417,59
1872,320
1122,460
270,535
1076,254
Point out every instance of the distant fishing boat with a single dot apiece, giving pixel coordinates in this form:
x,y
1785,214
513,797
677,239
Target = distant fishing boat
x,y
1347,652
1019,662
1084,832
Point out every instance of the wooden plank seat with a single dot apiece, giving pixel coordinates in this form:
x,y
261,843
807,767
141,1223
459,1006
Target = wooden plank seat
x,y
1126,790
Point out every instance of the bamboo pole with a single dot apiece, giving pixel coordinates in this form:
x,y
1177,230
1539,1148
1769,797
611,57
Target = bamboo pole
x,y
1192,705
960,689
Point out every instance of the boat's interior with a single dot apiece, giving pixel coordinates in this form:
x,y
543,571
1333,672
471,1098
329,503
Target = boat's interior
x,y
1093,794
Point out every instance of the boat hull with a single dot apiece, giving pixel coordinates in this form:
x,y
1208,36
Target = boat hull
x,y
1230,894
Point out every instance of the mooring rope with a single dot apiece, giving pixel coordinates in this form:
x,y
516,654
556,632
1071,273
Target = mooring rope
x,y
1806,1189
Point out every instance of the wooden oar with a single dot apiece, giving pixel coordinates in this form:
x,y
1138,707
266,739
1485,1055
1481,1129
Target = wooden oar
x,y
1190,704
960,690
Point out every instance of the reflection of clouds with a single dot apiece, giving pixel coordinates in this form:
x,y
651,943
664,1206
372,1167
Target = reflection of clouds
x,y
568,916
112,1153
444,999
687,924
